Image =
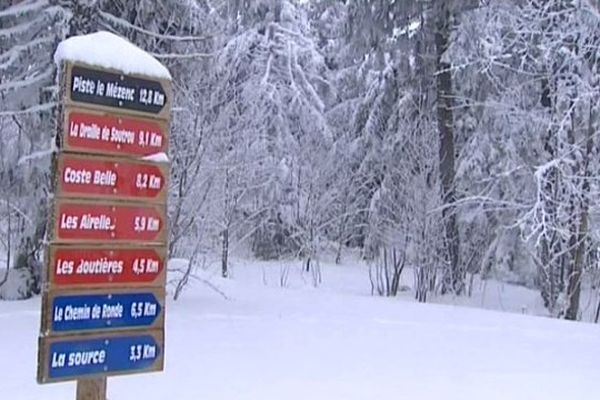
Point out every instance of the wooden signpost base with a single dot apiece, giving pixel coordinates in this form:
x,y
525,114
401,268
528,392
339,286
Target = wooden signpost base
x,y
91,389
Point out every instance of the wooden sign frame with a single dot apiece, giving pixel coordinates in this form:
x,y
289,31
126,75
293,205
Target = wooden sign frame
x,y
135,175
45,358
160,210
110,133
48,313
113,279
116,77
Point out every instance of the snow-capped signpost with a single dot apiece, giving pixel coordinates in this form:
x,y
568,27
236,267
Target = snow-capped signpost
x,y
104,281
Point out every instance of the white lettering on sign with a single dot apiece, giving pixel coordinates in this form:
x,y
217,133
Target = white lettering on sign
x,y
58,313
68,222
58,360
89,131
143,224
149,351
145,181
96,311
96,223
82,85
64,267
155,182
92,357
149,139
151,97
77,313
142,352
85,177
143,309
145,265
120,92
91,267
150,309
105,178
74,129
115,135
152,266
122,136
77,176
100,266
155,140
112,311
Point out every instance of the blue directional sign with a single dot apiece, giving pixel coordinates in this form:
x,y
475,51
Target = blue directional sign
x,y
103,311
108,355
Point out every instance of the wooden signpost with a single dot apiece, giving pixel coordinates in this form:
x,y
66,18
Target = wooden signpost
x,y
103,304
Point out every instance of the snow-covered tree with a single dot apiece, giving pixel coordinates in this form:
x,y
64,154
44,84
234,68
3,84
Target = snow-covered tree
x,y
29,31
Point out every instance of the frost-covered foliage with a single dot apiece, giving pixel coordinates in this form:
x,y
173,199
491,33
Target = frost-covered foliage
x,y
29,31
530,155
457,138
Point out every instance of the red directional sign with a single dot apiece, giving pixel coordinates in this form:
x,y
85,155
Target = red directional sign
x,y
96,132
95,177
80,221
105,266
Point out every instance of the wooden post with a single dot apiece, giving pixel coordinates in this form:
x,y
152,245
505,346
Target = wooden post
x,y
91,389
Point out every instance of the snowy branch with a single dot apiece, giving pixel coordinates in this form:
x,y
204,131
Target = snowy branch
x,y
126,24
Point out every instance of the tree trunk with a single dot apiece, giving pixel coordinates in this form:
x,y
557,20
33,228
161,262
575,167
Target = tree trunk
x,y
597,310
225,253
342,231
574,279
579,201
574,284
4,279
454,279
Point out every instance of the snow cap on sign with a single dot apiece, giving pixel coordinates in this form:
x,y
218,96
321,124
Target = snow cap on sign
x,y
157,157
107,50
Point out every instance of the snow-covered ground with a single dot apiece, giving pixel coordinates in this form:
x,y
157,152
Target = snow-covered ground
x,y
332,342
